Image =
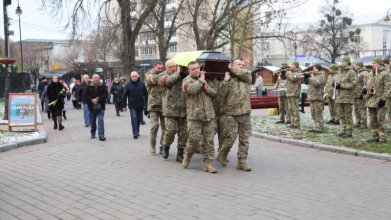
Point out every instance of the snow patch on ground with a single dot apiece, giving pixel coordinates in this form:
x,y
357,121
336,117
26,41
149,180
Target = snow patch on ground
x,y
12,137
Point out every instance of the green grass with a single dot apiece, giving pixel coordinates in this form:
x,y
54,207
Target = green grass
x,y
358,141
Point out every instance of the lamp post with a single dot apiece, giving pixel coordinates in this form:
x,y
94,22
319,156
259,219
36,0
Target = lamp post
x,y
387,18
22,73
295,46
6,60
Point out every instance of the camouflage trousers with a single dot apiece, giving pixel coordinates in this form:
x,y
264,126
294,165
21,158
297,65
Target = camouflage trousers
x,y
283,108
360,111
175,125
388,104
333,109
293,110
378,123
155,116
201,130
221,123
345,111
316,108
237,125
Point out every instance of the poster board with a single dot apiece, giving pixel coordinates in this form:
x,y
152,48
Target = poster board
x,y
22,110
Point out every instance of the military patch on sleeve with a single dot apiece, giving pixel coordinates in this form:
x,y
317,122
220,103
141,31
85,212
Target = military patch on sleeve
x,y
353,77
388,78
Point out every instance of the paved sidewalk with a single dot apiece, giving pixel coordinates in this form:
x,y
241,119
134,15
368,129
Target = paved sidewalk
x,y
74,177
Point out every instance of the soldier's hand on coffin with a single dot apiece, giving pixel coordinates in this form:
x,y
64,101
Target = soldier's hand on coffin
x,y
202,75
306,75
381,103
227,77
364,91
338,86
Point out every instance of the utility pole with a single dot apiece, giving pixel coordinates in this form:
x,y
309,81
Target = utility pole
x,y
7,77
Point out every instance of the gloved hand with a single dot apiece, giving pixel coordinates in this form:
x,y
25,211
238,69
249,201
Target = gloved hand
x,y
361,96
146,113
364,91
381,103
306,75
338,86
283,72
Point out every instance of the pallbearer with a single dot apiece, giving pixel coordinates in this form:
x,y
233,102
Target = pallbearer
x,y
315,95
360,109
333,72
376,91
282,100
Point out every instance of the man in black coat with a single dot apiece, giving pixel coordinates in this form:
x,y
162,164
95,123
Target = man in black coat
x,y
80,100
96,93
41,87
135,92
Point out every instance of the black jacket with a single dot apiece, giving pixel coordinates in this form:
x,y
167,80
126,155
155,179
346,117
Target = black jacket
x,y
41,87
92,91
116,87
52,94
135,93
80,92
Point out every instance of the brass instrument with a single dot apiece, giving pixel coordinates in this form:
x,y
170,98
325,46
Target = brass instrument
x,y
278,72
335,88
324,99
372,90
300,75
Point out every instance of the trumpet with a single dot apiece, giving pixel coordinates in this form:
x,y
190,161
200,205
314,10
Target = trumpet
x,y
299,75
324,99
278,72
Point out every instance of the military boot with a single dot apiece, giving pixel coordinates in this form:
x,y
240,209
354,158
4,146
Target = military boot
x,y
242,165
152,149
160,150
179,156
166,150
222,158
186,161
208,167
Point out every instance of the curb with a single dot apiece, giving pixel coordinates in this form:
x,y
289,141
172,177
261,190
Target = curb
x,y
39,140
323,147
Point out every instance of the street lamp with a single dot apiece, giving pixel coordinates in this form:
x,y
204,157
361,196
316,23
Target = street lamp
x,y
295,46
19,12
387,18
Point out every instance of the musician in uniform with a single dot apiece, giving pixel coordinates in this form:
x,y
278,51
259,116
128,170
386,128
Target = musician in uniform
x,y
386,62
346,83
315,95
377,90
360,109
282,100
331,96
293,92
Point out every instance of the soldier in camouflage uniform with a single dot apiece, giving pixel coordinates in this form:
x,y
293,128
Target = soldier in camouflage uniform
x,y
315,95
360,109
380,81
200,116
293,93
386,62
174,109
218,104
155,104
282,100
346,83
329,94
235,90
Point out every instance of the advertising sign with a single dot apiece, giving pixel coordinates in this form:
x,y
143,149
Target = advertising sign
x,y
22,110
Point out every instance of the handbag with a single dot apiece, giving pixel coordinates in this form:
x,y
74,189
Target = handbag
x,y
98,107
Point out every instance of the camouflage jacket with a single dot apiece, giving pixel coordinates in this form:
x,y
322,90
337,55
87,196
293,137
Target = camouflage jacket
x,y
236,92
218,102
280,83
381,83
154,91
316,86
347,78
329,85
199,103
173,97
361,78
293,88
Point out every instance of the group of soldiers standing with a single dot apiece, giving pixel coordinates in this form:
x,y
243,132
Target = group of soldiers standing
x,y
196,108
347,86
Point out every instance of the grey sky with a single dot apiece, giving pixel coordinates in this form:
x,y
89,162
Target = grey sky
x,y
37,24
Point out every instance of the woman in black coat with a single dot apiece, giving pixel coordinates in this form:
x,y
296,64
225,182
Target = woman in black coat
x,y
53,91
117,90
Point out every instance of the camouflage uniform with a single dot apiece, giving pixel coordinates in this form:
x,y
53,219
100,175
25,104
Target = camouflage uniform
x,y
293,94
388,103
381,83
236,93
345,97
174,108
200,116
315,96
282,101
330,92
360,109
155,106
218,104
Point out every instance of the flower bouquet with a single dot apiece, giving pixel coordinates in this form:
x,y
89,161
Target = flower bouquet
x,y
61,93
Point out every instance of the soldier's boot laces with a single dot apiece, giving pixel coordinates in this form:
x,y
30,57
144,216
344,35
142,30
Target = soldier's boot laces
x,y
166,150
242,165
160,150
152,149
186,161
222,158
208,167
179,156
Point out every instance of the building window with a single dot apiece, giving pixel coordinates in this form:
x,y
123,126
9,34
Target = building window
x,y
345,40
171,48
204,16
169,17
357,56
148,36
267,45
133,6
385,37
148,50
167,32
170,2
136,51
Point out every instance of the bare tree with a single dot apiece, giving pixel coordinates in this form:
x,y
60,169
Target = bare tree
x,y
333,37
34,57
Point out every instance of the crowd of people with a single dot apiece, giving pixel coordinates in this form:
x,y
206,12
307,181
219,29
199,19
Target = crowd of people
x,y
347,88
